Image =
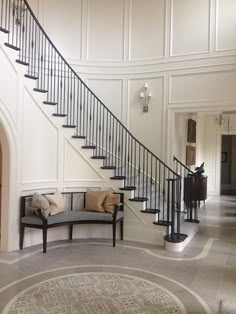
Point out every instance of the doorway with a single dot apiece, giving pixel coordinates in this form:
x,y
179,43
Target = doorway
x,y
228,165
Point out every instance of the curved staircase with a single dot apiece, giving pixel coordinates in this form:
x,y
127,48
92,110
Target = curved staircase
x,y
147,182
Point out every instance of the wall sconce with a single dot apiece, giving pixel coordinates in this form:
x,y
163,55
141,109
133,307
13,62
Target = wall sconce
x,y
18,12
145,97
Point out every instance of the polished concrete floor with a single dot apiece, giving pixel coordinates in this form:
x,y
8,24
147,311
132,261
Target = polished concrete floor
x,y
131,278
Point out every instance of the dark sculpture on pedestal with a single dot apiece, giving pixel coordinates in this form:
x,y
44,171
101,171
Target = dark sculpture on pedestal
x,y
200,170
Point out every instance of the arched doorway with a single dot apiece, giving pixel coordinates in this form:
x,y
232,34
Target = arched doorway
x,y
8,181
5,187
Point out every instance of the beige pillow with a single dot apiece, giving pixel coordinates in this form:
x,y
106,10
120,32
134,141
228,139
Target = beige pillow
x,y
110,202
94,200
56,202
39,201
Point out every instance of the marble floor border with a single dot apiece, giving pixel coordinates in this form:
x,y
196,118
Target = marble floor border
x,y
141,271
171,294
203,254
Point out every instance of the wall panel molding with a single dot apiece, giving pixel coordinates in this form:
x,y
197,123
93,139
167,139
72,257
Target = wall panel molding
x,y
230,19
196,52
67,37
96,175
147,35
157,67
212,78
106,29
144,125
36,182
113,100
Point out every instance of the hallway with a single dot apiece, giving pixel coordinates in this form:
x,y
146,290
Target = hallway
x,y
89,276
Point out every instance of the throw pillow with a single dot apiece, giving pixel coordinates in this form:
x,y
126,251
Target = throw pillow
x,y
56,202
110,202
39,201
94,200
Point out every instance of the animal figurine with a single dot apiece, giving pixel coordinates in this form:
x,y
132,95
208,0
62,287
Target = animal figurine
x,y
200,170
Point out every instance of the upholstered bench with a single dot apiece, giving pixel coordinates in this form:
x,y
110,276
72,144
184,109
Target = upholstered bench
x,y
74,213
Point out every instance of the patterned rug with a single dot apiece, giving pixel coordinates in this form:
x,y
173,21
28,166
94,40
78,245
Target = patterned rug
x,y
99,292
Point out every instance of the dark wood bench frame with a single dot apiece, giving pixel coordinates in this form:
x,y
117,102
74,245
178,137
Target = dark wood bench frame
x,y
45,226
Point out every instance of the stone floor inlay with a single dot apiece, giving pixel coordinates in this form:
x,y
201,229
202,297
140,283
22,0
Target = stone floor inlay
x,y
95,292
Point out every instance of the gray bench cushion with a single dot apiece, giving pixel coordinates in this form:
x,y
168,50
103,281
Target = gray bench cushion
x,y
70,216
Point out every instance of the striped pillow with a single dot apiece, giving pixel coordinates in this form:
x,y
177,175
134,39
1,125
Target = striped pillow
x,y
94,201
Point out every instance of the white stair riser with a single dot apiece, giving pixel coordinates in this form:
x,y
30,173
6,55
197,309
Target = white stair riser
x,y
137,205
78,142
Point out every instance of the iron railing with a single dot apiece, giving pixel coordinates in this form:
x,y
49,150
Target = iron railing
x,y
151,179
189,190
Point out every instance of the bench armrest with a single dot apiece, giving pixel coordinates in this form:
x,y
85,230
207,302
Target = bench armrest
x,y
118,207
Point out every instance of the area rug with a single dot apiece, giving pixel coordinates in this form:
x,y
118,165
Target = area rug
x,y
96,292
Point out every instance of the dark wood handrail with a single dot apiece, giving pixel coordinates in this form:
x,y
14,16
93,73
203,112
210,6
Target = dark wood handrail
x,y
183,165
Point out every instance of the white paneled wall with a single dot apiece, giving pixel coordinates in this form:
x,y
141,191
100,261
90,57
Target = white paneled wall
x,y
67,28
118,45
7,96
190,26
112,99
226,25
147,127
81,171
184,49
40,145
147,35
105,30
202,87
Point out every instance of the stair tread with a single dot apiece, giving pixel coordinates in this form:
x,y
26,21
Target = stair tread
x,y
150,211
138,199
118,178
59,114
40,90
22,62
79,136
128,188
108,167
69,126
50,103
162,223
32,77
88,147
4,30
12,46
98,157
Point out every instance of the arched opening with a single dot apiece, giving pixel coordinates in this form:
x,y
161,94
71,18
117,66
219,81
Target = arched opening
x,y
5,188
8,182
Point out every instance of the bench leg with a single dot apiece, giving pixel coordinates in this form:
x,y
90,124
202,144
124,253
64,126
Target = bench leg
x,y
114,234
121,229
22,231
70,232
44,240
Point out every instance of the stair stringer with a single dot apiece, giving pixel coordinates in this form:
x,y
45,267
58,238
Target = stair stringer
x,y
137,226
